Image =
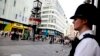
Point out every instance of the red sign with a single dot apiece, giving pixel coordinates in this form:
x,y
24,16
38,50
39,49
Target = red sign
x,y
34,21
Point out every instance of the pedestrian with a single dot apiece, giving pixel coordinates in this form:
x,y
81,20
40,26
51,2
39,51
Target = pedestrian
x,y
62,40
51,39
17,35
1,32
86,45
13,37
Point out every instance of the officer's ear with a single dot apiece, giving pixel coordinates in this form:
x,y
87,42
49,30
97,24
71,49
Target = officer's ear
x,y
85,21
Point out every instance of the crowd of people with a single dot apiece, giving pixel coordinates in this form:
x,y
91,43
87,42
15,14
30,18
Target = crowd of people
x,y
4,33
16,35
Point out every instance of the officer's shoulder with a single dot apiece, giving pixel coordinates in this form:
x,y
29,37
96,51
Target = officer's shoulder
x,y
89,41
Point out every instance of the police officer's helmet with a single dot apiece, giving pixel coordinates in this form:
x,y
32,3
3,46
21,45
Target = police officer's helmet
x,y
86,11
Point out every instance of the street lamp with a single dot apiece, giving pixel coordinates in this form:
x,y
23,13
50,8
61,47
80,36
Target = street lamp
x,y
35,18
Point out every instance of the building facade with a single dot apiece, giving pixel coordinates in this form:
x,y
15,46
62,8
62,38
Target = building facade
x,y
14,11
53,18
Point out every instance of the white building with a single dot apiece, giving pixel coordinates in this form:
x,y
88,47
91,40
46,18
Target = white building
x,y
14,14
53,18
16,10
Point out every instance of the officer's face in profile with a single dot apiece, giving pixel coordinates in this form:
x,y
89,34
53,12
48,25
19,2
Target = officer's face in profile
x,y
78,23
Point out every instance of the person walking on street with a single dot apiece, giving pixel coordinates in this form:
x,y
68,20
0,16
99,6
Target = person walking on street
x,y
86,45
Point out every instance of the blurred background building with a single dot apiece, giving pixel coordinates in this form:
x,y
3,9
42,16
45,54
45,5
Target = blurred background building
x,y
14,14
54,21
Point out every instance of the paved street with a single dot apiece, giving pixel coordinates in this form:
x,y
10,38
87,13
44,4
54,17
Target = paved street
x,y
30,48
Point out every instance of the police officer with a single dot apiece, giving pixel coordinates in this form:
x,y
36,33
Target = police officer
x,y
84,18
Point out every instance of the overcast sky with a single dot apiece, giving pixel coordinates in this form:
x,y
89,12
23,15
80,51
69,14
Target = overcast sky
x,y
69,7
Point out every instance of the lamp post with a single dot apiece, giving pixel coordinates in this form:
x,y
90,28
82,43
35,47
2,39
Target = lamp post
x,y
35,18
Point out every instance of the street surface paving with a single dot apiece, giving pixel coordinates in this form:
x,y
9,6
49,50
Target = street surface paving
x,y
30,48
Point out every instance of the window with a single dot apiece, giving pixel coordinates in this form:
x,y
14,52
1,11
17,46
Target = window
x,y
42,25
3,11
23,18
44,12
45,7
52,20
52,26
16,16
5,1
20,14
24,9
4,7
14,3
44,20
66,21
52,17
52,11
45,16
